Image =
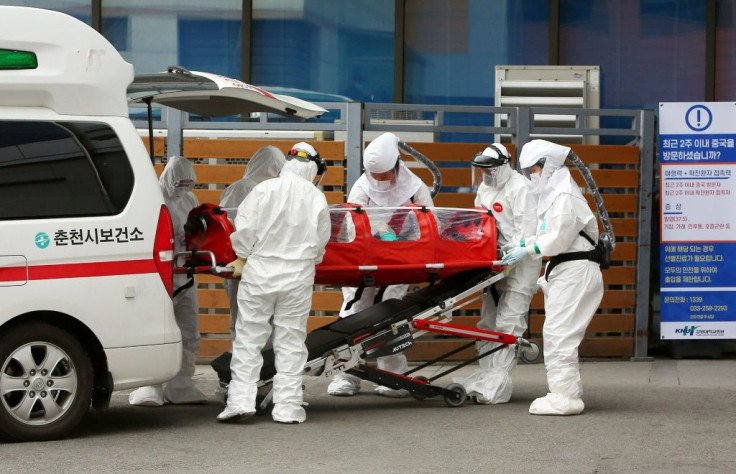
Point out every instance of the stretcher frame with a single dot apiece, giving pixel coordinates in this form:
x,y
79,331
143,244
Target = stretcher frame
x,y
351,358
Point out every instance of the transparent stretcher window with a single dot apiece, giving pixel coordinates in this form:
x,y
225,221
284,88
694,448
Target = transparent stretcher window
x,y
458,225
393,224
343,227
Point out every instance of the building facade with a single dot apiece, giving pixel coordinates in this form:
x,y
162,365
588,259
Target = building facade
x,y
429,51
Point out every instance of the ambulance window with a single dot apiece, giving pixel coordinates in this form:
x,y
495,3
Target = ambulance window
x,y
62,169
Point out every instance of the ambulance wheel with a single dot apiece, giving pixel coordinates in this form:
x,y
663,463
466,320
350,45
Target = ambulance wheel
x,y
530,355
45,382
458,396
419,396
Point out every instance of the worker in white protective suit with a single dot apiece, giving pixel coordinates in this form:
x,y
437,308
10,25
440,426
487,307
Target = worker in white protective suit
x,y
177,181
386,182
281,228
567,231
266,163
507,195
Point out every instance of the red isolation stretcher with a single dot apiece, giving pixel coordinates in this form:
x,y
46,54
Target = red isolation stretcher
x,y
455,250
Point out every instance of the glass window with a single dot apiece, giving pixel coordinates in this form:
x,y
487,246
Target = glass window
x,y
649,51
452,47
344,48
725,50
200,36
62,169
79,9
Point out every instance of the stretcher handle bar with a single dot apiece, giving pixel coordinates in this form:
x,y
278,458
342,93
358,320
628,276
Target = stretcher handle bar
x,y
463,331
395,208
416,266
197,253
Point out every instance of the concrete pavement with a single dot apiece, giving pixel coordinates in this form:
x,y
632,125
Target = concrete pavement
x,y
658,416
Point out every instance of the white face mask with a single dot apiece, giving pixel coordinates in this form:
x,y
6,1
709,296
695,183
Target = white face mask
x,y
179,192
534,177
383,185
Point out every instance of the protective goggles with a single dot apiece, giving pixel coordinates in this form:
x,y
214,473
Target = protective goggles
x,y
305,157
187,184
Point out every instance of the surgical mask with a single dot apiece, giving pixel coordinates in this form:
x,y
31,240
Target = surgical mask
x,y
179,192
383,185
534,177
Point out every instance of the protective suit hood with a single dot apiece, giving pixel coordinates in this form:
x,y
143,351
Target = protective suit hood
x,y
266,163
555,178
306,170
177,169
381,154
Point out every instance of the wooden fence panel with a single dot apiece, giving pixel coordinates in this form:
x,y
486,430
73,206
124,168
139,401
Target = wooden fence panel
x,y
614,168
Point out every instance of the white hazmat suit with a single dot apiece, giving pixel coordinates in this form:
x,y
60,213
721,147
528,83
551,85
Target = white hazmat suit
x,y
573,289
380,157
266,163
176,181
505,307
282,228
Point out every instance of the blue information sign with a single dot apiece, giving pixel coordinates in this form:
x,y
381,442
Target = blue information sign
x,y
697,143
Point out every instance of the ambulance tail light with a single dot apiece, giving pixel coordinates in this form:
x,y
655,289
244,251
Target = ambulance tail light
x,y
12,59
163,249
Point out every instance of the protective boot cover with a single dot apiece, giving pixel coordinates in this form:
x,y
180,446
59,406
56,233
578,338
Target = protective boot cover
x,y
288,413
150,396
182,391
241,401
344,385
557,404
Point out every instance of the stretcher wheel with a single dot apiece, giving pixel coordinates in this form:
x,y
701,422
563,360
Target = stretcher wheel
x,y
458,397
530,355
416,395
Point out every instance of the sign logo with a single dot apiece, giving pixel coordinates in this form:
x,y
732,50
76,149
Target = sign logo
x,y
497,207
687,330
698,118
42,240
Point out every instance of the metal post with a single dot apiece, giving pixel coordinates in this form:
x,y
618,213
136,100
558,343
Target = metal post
x,y
353,144
523,128
644,234
175,131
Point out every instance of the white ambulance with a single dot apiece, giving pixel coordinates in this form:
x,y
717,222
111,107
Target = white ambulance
x,y
86,242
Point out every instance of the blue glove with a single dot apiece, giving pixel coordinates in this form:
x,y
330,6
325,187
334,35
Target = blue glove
x,y
389,237
515,256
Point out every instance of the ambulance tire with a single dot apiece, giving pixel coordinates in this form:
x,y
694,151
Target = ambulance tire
x,y
45,382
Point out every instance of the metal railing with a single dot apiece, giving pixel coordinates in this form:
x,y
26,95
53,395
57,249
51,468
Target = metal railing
x,y
352,120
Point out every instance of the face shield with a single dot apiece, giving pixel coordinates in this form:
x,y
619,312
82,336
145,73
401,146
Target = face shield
x,y
385,180
534,171
488,166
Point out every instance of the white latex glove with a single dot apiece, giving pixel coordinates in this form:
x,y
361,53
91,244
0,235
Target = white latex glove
x,y
515,256
508,246
237,266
